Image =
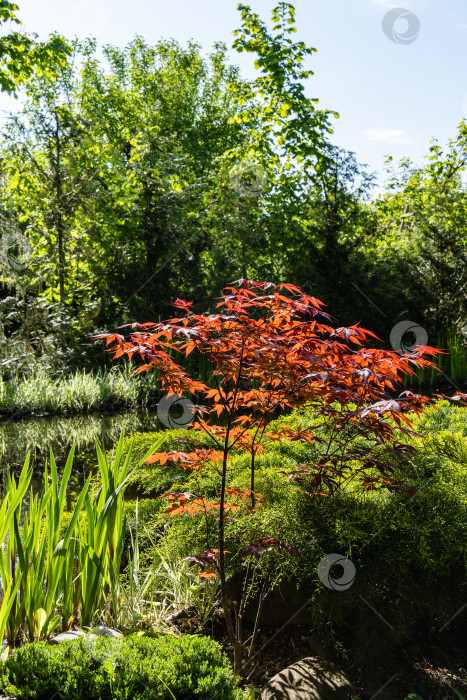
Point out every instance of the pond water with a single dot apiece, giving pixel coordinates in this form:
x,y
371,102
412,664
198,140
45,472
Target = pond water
x,y
39,436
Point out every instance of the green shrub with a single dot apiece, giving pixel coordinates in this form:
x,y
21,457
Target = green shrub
x,y
409,552
136,668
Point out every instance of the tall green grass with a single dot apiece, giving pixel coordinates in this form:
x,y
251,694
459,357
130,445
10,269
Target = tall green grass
x,y
452,364
88,392
49,578
81,392
153,590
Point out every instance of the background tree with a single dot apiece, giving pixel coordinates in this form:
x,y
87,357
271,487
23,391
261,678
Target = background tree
x,y
421,240
151,172
161,118
22,56
124,173
49,184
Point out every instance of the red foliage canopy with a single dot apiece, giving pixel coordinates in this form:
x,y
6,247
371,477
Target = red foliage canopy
x,y
272,348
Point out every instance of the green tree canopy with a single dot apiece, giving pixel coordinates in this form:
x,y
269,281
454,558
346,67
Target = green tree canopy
x,y
22,56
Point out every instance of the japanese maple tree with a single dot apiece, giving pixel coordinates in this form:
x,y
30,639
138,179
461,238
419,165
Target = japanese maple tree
x,y
272,348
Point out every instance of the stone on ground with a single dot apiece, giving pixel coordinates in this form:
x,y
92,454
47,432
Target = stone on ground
x,y
65,637
102,631
311,678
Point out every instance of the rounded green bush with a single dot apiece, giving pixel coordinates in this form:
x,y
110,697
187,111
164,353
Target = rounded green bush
x,y
136,668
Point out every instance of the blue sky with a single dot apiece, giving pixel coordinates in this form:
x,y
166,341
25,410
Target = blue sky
x,y
392,97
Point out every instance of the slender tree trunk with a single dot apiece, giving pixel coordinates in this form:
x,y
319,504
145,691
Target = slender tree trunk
x,y
60,236
227,605
225,599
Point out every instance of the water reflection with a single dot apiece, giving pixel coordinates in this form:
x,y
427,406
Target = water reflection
x,y
39,436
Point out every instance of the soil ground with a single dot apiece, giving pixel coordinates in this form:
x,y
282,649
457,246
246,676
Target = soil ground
x,y
433,665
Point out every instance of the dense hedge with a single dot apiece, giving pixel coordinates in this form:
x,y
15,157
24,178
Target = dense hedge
x,y
136,668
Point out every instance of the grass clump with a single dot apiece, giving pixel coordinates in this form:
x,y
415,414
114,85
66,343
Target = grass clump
x,y
81,392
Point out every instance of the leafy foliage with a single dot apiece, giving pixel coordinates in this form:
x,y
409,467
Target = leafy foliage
x,y
140,174
420,236
54,572
290,124
139,667
21,55
270,352
128,197
409,553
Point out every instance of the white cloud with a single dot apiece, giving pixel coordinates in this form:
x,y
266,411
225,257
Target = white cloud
x,y
388,135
